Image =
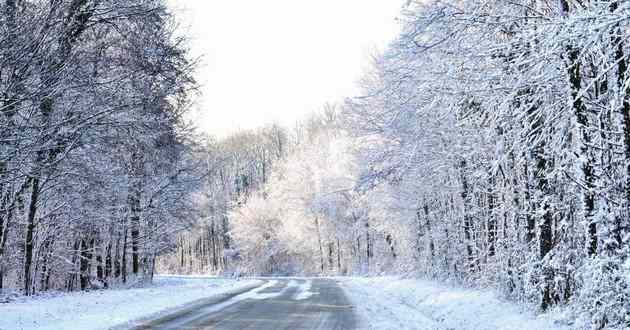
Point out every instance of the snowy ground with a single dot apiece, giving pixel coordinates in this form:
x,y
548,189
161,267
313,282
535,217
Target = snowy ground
x,y
108,308
393,303
380,303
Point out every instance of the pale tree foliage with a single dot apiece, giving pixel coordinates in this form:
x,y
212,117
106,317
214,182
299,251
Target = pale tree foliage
x,y
256,231
235,168
97,165
490,146
315,220
503,125
306,206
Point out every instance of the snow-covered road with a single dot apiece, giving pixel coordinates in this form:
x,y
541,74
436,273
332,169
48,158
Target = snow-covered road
x,y
280,304
276,303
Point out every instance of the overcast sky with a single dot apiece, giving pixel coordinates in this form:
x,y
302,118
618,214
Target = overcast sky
x,y
269,61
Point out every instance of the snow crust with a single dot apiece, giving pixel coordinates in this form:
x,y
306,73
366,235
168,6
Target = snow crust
x,y
111,308
394,303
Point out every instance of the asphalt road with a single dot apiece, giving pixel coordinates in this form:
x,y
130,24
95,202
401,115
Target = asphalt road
x,y
278,304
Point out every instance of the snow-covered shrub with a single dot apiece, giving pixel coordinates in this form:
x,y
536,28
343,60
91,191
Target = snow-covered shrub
x,y
603,297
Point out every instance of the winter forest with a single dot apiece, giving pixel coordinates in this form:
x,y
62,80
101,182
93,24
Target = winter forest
x,y
489,147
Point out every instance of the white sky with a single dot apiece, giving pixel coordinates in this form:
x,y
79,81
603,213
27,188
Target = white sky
x,y
269,61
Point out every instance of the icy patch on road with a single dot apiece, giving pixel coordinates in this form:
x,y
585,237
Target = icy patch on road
x,y
393,303
104,309
252,294
304,291
256,295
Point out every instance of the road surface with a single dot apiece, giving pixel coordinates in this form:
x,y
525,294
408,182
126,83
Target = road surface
x,y
278,304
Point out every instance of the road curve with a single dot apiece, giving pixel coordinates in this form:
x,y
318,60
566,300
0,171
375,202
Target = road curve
x,y
281,303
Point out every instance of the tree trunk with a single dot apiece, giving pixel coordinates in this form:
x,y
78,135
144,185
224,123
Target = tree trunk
x,y
467,218
492,220
226,239
622,69
338,255
45,272
588,171
368,245
359,253
215,260
108,264
429,233
530,221
116,262
319,242
331,254
30,229
100,269
390,242
134,220
85,260
123,266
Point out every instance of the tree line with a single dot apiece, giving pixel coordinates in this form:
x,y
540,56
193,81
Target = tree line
x,y
490,145
235,167
97,163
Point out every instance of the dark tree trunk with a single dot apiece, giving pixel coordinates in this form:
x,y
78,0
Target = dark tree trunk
x,y
75,255
467,218
390,242
331,254
530,221
588,171
100,269
429,231
338,255
181,254
123,262
319,242
45,272
116,256
6,216
134,220
215,259
359,253
108,264
226,239
545,227
368,244
30,229
492,220
546,230
622,68
419,234
85,259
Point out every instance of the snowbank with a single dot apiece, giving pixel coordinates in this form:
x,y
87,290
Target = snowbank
x,y
108,308
393,303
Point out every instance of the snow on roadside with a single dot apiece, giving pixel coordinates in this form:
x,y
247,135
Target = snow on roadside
x,y
393,303
108,308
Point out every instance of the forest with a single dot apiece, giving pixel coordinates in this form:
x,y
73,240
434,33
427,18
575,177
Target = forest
x,y
489,146
97,164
